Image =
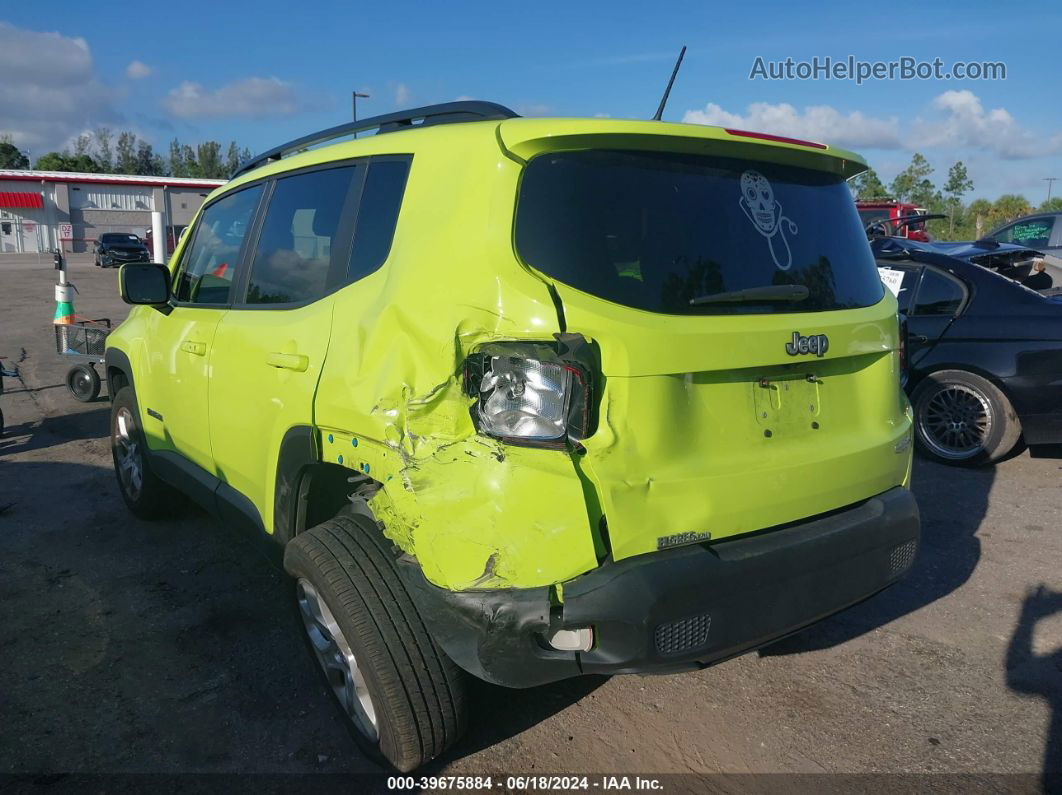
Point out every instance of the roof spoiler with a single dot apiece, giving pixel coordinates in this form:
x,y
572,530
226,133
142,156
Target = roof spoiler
x,y
445,113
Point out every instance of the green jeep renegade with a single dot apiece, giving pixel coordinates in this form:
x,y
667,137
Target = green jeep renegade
x,y
527,399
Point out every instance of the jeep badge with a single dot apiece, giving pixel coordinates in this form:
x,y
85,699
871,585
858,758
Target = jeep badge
x,y
817,344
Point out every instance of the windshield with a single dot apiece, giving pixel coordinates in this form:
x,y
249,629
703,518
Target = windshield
x,y
115,239
655,231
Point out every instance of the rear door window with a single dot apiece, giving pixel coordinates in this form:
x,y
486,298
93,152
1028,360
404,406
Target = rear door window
x,y
901,282
306,230
654,231
938,294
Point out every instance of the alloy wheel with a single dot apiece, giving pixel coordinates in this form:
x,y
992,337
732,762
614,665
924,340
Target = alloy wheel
x,y
336,659
955,422
128,454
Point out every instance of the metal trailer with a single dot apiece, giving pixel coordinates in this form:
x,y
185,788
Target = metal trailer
x,y
83,342
9,374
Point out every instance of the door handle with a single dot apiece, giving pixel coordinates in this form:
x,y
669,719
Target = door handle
x,y
196,348
289,361
920,338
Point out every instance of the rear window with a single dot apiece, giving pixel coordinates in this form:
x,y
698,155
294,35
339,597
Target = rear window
x,y
653,231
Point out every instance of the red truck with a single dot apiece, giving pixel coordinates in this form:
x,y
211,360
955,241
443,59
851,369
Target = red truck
x,y
889,211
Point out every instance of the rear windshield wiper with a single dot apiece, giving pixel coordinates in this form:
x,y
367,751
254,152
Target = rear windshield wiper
x,y
778,292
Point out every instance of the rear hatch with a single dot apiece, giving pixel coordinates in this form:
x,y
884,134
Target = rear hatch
x,y
749,351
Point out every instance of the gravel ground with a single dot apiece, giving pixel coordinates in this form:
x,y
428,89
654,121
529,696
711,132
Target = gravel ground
x,y
130,647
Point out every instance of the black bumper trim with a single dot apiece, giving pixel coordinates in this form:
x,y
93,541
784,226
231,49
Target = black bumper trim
x,y
682,608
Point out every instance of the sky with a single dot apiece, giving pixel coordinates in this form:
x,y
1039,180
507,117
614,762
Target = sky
x,y
270,71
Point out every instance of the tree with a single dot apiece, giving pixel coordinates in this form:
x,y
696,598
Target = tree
x,y
1052,205
126,151
958,184
177,164
83,144
211,166
64,161
913,181
232,160
11,156
980,210
867,185
147,162
191,165
103,156
1008,207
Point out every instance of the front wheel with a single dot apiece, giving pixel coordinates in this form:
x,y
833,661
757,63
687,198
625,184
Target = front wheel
x,y
962,418
144,493
404,697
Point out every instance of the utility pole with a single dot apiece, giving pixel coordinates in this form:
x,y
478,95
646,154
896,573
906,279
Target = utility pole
x,y
354,105
1049,181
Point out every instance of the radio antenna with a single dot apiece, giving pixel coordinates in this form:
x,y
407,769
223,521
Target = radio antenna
x,y
671,82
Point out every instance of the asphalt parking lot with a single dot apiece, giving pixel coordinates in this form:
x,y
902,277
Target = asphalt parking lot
x,y
171,647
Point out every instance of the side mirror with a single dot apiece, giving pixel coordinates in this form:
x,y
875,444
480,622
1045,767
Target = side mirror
x,y
144,283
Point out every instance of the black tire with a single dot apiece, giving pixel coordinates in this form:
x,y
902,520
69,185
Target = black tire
x,y
417,693
152,498
83,382
963,419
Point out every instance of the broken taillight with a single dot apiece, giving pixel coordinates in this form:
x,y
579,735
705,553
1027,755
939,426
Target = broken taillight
x,y
527,393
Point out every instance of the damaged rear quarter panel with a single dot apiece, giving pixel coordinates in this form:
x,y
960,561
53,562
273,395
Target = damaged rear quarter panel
x,y
473,512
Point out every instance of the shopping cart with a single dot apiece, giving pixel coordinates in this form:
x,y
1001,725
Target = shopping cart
x,y
84,342
10,374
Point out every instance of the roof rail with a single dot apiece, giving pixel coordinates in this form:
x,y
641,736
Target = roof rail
x,y
445,113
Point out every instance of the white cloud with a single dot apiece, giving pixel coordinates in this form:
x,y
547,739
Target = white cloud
x,y
252,97
401,94
956,120
138,70
49,91
815,123
962,121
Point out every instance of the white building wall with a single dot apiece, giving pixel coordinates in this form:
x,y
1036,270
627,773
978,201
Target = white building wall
x,y
111,197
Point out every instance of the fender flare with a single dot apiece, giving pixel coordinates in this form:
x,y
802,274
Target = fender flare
x,y
298,450
115,359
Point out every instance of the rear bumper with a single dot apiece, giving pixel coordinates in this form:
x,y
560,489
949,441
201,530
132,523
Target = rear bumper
x,y
683,608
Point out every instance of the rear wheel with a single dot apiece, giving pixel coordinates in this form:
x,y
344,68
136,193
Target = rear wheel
x,y
404,697
962,418
144,493
83,382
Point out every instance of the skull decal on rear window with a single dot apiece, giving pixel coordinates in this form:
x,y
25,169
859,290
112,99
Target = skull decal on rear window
x,y
765,212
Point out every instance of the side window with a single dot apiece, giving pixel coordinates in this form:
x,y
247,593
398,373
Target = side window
x,y
381,200
209,263
901,282
1034,233
938,295
301,234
